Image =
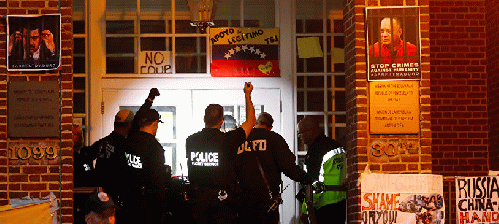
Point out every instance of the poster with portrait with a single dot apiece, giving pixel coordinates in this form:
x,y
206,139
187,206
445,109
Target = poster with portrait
x,y
477,199
402,198
33,42
393,43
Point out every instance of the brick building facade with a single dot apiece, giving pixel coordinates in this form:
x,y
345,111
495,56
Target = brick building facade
x,y
38,177
457,94
458,97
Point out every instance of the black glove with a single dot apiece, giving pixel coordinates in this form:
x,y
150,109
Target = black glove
x,y
301,195
153,93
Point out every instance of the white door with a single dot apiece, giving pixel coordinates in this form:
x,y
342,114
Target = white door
x,y
175,109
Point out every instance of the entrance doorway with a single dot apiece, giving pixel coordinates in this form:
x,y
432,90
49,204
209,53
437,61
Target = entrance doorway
x,y
182,112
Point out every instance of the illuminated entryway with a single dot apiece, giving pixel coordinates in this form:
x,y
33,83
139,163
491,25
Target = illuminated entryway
x,y
182,113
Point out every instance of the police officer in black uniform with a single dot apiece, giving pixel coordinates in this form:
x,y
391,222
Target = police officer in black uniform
x,y
148,174
108,154
260,162
210,154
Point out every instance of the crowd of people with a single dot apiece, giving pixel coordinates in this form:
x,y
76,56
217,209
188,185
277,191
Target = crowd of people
x,y
234,176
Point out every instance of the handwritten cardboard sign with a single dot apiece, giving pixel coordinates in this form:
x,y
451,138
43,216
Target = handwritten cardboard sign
x,y
155,62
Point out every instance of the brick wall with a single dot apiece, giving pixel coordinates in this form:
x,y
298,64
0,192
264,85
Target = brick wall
x,y
38,177
492,19
458,87
357,96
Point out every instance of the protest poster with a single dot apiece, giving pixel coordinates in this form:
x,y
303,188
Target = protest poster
x,y
393,43
33,42
477,199
245,52
402,198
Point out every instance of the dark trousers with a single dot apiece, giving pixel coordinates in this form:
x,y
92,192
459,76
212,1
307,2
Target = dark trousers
x,y
213,211
255,209
332,213
207,207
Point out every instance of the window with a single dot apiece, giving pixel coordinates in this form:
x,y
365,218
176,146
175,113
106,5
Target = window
x,y
320,81
135,26
80,78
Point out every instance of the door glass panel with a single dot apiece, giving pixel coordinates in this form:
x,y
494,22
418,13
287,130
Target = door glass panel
x,y
166,134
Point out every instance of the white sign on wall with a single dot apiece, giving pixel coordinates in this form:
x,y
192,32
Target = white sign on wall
x,y
477,199
155,62
402,198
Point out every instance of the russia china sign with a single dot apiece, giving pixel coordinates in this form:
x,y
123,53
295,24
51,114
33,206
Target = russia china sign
x,y
477,199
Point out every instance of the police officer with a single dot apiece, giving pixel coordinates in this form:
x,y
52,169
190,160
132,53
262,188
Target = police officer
x,y
108,154
260,162
326,163
210,154
148,174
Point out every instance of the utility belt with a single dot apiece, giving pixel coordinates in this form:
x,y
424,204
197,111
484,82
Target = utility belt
x,y
321,187
210,193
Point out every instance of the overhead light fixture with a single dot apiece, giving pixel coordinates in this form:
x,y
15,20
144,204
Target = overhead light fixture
x,y
201,11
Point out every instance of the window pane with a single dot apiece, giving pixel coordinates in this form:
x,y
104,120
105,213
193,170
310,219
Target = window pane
x,y
79,46
227,10
79,83
183,18
190,45
184,26
190,64
155,44
78,27
259,13
117,45
121,6
190,55
147,6
120,65
339,102
300,98
78,102
309,16
120,27
78,64
335,63
315,82
152,26
334,8
315,101
310,65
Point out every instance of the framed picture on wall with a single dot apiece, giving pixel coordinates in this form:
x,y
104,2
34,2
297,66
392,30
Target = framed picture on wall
x,y
33,42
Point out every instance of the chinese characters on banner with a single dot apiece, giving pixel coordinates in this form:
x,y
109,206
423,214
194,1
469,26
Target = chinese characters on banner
x,y
402,198
393,43
243,52
33,42
477,199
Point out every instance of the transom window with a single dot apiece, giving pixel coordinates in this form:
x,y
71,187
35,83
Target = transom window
x,y
135,26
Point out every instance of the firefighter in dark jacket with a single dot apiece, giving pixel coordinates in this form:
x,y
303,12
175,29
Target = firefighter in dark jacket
x,y
261,160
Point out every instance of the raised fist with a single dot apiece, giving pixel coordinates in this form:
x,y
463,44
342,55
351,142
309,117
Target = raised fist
x,y
153,93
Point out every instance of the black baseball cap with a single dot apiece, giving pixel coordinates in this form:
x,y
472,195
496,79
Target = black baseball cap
x,y
150,116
